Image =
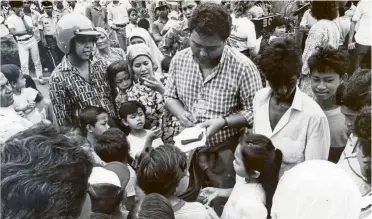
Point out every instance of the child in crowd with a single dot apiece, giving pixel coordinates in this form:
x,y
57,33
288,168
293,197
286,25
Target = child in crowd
x,y
93,122
133,17
163,170
132,114
120,80
257,164
27,100
145,24
112,146
328,70
172,21
106,191
154,206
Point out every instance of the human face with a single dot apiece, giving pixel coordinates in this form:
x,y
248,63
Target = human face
x,y
279,31
283,90
135,121
350,116
238,163
133,17
21,82
325,85
84,46
123,80
188,8
101,125
136,40
17,10
102,42
71,3
26,4
162,11
142,67
6,92
49,11
207,50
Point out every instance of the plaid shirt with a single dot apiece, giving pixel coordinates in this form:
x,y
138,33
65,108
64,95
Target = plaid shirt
x,y
70,92
228,90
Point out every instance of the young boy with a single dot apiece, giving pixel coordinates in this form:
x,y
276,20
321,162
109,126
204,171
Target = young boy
x,y
133,116
353,95
113,146
93,123
328,70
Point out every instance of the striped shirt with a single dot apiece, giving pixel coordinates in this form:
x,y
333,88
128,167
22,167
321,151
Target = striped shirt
x,y
229,90
70,92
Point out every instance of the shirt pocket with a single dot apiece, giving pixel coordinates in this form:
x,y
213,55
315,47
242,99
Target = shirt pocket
x,y
293,151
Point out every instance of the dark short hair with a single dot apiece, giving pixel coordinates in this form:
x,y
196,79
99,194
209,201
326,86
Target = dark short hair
x,y
112,145
278,22
154,206
130,107
11,72
106,198
130,10
355,93
43,175
324,60
144,23
211,19
88,116
161,169
281,60
324,10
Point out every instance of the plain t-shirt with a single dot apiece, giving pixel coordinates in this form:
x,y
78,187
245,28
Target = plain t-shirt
x,y
307,19
192,210
243,34
28,95
14,21
247,200
339,131
137,144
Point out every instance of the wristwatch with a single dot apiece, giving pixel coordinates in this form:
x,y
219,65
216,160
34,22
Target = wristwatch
x,y
226,124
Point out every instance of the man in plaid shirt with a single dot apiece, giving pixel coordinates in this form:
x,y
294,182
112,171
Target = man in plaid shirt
x,y
212,84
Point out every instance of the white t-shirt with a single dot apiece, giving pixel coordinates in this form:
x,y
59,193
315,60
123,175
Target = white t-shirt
x,y
28,95
11,123
3,29
14,21
243,34
307,19
137,144
131,186
247,200
192,210
362,15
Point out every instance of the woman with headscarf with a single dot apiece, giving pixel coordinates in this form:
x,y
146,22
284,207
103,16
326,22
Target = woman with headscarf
x,y
104,50
148,89
318,189
140,35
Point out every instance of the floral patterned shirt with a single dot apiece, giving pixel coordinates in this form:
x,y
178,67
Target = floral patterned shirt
x,y
176,39
70,92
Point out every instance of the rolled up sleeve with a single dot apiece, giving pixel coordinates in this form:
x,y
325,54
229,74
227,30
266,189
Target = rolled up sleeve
x,y
318,139
250,83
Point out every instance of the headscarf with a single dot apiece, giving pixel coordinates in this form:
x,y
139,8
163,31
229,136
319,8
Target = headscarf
x,y
157,56
101,30
139,50
316,189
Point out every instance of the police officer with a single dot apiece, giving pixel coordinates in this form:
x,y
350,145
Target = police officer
x,y
77,82
47,27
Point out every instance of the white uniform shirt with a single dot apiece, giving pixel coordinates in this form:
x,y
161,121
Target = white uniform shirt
x,y
362,16
243,34
301,134
16,22
118,14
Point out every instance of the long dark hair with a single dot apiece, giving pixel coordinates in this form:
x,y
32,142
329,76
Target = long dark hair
x,y
259,153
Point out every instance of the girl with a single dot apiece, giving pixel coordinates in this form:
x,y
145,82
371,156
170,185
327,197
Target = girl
x,y
132,114
140,35
27,101
257,164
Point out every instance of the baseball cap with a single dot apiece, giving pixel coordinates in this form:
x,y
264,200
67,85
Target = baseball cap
x,y
114,173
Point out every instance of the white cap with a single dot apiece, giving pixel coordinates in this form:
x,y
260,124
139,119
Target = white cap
x,y
101,175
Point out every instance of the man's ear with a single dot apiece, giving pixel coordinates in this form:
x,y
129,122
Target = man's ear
x,y
89,128
124,122
344,77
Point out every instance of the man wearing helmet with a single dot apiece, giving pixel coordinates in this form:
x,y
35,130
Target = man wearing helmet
x,y
161,11
76,82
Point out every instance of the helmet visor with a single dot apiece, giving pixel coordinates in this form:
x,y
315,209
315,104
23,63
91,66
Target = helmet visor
x,y
87,32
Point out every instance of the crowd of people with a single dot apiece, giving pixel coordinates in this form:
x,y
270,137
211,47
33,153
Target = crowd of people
x,y
287,121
